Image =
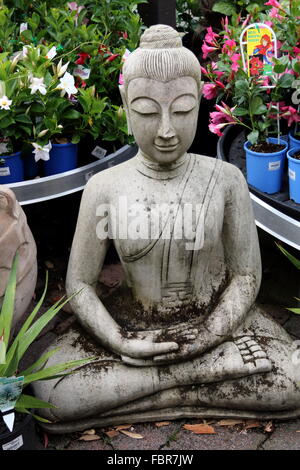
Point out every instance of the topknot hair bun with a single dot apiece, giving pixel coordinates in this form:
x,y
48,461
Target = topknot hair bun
x,y
160,36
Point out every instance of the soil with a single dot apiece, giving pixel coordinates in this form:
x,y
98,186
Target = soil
x,y
296,155
266,147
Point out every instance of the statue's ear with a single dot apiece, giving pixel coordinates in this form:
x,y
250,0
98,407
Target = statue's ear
x,y
8,202
125,104
200,90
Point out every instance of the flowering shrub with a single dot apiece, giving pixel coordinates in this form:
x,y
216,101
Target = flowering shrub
x,y
248,103
59,70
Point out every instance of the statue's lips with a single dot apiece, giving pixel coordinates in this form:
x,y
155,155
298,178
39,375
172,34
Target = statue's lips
x,y
166,148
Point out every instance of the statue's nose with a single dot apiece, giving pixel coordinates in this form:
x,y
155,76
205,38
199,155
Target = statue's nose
x,y
166,130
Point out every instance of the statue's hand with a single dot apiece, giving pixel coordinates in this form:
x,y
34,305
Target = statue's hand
x,y
191,344
146,348
155,341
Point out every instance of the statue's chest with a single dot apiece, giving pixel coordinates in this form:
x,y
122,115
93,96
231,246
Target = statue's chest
x,y
151,218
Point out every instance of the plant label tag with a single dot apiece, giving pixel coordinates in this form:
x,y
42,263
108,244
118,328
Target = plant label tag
x,y
13,445
5,171
274,166
292,174
260,51
23,27
99,152
82,72
10,391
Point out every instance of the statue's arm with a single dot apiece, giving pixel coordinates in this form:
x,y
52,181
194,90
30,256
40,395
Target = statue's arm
x,y
85,264
242,257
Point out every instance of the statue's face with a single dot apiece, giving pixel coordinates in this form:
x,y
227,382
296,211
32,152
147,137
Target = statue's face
x,y
163,116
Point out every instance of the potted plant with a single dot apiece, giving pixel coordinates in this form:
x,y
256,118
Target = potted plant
x,y
16,404
294,173
258,102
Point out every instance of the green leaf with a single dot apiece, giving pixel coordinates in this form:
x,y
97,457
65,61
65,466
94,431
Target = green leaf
x,y
257,106
75,139
23,118
2,352
225,8
55,370
40,362
297,67
253,137
6,122
27,401
292,258
294,310
240,112
7,309
72,114
286,80
24,328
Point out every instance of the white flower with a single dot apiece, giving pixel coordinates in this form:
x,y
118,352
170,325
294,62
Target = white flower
x,y
37,84
51,53
5,102
41,153
61,69
67,85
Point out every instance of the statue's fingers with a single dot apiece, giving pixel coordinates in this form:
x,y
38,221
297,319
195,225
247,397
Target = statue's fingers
x,y
165,357
161,348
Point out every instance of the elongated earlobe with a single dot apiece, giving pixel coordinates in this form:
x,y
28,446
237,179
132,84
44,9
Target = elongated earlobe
x,y
200,90
124,100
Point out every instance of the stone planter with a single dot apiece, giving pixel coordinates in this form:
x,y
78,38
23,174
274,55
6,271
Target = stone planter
x,y
16,235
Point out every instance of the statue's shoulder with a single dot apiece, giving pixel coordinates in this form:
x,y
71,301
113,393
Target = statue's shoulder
x,y
218,167
109,179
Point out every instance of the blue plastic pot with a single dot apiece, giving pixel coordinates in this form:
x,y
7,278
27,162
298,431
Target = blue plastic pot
x,y
63,157
31,167
11,168
294,143
294,175
265,170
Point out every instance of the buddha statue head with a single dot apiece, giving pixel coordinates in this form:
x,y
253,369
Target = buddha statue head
x,y
161,95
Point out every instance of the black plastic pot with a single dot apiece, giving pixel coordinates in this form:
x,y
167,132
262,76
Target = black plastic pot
x,y
23,436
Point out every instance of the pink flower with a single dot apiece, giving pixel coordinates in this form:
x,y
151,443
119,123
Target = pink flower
x,y
206,49
216,128
274,14
210,37
74,7
290,114
223,117
229,46
269,23
225,24
214,68
203,70
296,50
235,62
273,3
210,91
246,21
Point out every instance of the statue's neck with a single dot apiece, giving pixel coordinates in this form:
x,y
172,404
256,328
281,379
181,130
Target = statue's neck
x,y
161,172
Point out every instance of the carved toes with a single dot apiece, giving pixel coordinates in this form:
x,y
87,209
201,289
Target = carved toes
x,y
252,354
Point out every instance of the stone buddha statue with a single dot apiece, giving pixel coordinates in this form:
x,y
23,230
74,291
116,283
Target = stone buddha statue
x,y
182,337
